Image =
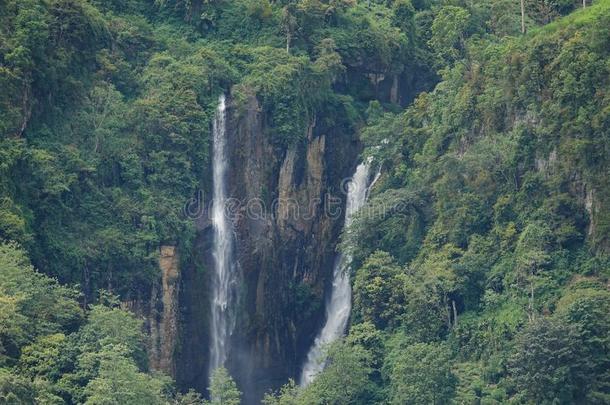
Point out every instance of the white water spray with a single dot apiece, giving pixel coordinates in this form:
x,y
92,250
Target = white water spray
x,y
340,304
224,277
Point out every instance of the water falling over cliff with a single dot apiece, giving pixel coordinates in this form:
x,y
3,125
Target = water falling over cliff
x,y
340,304
224,279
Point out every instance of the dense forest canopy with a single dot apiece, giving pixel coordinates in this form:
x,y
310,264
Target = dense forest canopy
x,y
484,281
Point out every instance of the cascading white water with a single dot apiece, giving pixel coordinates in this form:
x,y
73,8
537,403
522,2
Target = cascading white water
x,y
224,277
340,304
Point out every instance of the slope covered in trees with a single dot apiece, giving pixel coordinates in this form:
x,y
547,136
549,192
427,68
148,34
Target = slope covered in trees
x,y
106,111
53,352
482,262
481,269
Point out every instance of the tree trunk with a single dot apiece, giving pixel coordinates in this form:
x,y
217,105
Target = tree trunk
x,y
288,43
26,107
523,16
109,279
394,90
448,308
86,285
454,313
531,302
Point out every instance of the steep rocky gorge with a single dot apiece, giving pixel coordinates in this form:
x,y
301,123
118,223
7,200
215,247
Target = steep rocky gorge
x,y
286,207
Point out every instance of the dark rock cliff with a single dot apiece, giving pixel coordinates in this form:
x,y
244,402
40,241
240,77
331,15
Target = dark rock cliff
x,y
287,210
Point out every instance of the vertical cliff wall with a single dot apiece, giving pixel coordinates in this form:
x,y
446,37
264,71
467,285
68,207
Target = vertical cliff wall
x,y
164,319
160,310
287,225
286,210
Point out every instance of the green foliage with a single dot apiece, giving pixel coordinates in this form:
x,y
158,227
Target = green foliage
x,y
105,121
40,359
223,390
485,236
587,310
35,304
421,373
345,380
190,398
14,389
288,394
479,269
119,381
548,365
113,326
448,32
50,353
375,297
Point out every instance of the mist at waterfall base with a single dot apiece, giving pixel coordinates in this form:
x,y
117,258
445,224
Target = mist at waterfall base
x,y
224,281
339,305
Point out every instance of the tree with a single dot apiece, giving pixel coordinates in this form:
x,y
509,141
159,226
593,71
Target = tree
x,y
523,16
377,290
41,359
120,382
192,397
545,11
344,380
109,334
421,374
434,289
287,395
35,304
11,325
15,389
113,326
505,16
587,310
367,336
223,390
328,62
289,24
531,255
448,32
548,365
403,18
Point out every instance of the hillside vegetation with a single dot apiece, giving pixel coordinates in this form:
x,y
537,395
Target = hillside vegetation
x,y
483,281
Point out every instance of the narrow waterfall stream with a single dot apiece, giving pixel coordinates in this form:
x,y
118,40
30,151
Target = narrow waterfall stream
x,y
340,304
224,277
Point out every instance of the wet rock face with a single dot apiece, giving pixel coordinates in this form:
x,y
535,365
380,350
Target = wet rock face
x,y
286,208
164,320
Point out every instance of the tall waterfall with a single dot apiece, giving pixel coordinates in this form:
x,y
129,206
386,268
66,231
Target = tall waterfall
x,y
340,304
224,277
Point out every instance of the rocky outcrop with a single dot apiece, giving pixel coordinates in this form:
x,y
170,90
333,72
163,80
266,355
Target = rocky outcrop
x,y
164,312
286,212
589,198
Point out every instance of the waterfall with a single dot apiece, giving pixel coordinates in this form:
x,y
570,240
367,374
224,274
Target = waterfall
x,y
224,277
340,304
